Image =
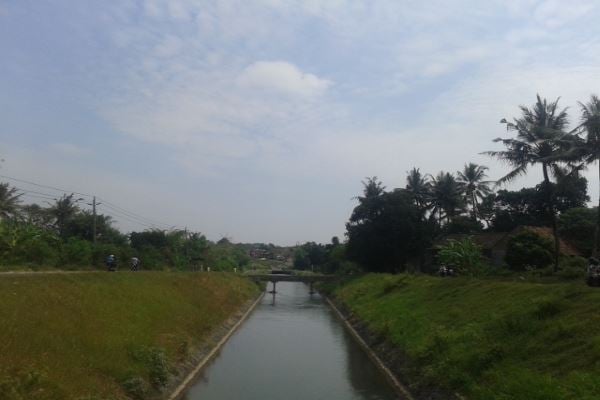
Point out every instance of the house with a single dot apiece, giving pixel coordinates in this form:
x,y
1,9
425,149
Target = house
x,y
494,244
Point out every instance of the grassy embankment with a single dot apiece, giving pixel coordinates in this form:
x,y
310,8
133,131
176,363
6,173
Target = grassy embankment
x,y
107,336
486,339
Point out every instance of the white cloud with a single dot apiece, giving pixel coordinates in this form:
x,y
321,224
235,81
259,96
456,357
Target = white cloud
x,y
282,77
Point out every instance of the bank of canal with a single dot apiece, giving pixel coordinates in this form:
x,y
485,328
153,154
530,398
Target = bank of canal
x,y
291,348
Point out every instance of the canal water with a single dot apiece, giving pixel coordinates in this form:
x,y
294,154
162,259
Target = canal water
x,y
292,347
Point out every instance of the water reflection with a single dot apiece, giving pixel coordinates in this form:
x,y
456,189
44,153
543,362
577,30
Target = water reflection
x,y
291,347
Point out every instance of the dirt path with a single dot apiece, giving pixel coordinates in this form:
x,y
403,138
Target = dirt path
x,y
58,271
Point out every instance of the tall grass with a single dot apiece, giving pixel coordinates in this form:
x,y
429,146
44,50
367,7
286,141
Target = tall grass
x,y
487,339
106,336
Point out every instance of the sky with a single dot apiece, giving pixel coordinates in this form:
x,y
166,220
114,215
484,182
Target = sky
x,y
258,119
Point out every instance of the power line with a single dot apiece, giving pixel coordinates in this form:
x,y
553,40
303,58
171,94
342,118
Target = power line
x,y
120,217
120,212
131,213
44,186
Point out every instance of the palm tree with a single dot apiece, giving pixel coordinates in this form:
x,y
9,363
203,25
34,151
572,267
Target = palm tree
x,y
590,148
473,184
541,139
420,188
63,211
9,201
446,198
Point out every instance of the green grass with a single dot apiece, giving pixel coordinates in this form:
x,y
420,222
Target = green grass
x,y
104,335
487,339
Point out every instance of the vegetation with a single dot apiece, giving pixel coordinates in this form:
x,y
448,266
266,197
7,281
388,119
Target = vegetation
x,y
486,339
107,336
62,236
463,255
392,231
528,250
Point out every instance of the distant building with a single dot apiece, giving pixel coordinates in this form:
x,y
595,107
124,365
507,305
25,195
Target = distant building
x,y
261,254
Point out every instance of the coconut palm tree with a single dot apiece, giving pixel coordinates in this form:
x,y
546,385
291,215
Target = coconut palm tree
x,y
474,187
446,199
9,201
420,188
589,149
541,139
63,211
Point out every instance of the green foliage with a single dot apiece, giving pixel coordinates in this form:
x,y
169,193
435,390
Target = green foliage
x,y
76,252
463,224
485,339
528,250
159,367
98,332
464,255
572,267
136,388
386,229
577,227
10,199
310,254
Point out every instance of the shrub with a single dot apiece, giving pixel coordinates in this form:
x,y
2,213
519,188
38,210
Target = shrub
x,y
76,252
464,255
572,267
528,249
136,387
159,367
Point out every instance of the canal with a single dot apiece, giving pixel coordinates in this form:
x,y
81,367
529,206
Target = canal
x,y
291,347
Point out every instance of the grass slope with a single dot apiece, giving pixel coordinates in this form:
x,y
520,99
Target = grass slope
x,y
102,335
486,339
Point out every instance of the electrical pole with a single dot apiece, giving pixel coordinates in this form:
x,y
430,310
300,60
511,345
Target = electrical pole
x,y
94,205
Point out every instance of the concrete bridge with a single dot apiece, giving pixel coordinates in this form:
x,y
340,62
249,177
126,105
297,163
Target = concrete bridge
x,y
274,278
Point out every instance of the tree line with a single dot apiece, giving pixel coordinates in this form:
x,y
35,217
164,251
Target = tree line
x,y
392,230
62,235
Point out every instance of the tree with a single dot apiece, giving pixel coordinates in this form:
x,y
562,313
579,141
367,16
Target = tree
x,y
63,211
473,184
577,226
36,215
541,139
81,226
420,189
446,198
10,200
385,230
590,148
528,249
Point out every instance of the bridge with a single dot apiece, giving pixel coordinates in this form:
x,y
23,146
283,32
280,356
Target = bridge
x,y
274,278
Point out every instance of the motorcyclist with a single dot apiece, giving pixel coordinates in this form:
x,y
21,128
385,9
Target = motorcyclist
x,y
593,272
135,263
111,263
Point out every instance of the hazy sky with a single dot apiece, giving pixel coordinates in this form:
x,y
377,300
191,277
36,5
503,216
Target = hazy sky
x,y
259,119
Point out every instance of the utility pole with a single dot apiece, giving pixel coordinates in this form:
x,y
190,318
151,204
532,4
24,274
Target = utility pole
x,y
94,205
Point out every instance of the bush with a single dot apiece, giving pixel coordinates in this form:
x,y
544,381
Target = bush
x,y
577,226
572,267
76,252
159,367
464,255
528,249
136,388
